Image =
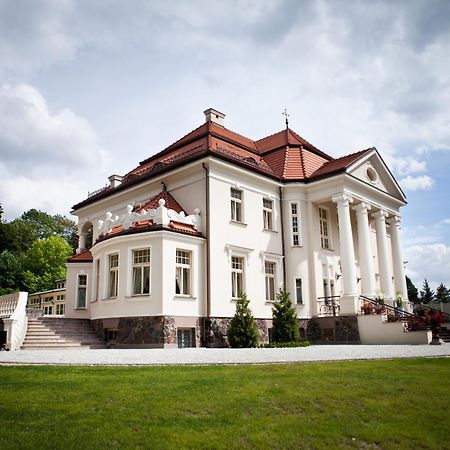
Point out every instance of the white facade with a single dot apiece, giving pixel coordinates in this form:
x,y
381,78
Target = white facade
x,y
334,236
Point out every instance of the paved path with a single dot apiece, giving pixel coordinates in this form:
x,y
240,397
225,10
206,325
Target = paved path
x,y
192,356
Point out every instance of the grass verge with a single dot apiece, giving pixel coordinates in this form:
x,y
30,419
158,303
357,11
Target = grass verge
x,y
353,404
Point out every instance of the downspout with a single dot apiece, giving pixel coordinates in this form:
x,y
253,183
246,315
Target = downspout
x,y
280,189
208,250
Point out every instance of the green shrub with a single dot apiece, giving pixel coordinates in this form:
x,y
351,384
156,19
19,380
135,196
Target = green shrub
x,y
242,331
284,319
286,344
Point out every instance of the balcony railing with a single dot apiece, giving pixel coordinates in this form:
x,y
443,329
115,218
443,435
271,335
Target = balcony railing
x,y
329,306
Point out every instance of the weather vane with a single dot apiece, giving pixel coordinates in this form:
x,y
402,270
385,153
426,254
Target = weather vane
x,y
285,113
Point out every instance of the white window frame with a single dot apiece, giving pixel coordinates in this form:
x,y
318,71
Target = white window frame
x,y
82,288
267,214
324,228
295,224
113,270
97,280
181,267
270,279
299,288
60,309
237,205
140,266
236,274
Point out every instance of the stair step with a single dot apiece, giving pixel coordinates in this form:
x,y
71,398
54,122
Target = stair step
x,y
60,333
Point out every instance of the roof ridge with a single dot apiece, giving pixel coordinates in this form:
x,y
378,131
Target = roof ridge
x,y
170,147
302,161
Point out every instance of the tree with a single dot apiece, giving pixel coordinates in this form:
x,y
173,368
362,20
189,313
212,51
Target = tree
x,y
426,294
44,263
46,225
284,319
16,236
242,331
442,294
11,274
413,293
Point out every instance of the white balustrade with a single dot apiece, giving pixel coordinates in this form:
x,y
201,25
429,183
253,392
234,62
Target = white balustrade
x,y
160,216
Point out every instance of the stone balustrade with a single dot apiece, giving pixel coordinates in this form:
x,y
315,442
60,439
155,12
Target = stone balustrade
x,y
160,215
13,313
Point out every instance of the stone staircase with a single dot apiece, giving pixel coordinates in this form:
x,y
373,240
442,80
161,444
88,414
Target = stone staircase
x,y
60,333
444,332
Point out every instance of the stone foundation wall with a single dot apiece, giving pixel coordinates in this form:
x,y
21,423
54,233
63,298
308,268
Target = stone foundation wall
x,y
215,331
151,332
342,330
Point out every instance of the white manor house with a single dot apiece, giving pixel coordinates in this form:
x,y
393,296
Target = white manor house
x,y
165,250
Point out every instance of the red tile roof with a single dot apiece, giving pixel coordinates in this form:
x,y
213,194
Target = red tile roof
x,y
153,203
339,165
83,256
283,156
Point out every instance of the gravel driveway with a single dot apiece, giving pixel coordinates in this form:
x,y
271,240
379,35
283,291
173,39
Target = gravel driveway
x,y
192,356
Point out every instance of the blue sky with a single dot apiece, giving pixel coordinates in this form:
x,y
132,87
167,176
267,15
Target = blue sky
x,y
88,89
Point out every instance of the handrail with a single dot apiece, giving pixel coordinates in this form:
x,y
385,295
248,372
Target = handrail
x,y
429,308
401,312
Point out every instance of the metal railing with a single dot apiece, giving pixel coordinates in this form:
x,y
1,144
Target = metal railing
x,y
411,321
329,306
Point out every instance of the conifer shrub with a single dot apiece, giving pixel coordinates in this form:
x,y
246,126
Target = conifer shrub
x,y
243,331
284,319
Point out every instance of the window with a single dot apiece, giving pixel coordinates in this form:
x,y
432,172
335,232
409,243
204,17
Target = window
x,y
298,291
324,236
267,213
236,205
141,271
81,297
186,337
60,309
113,275
97,279
48,310
183,273
269,269
295,224
237,276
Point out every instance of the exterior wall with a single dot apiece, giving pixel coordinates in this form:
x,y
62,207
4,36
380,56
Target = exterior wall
x,y
73,270
373,330
54,299
248,240
162,299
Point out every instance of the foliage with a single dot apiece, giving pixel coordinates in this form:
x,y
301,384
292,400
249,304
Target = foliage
x,y
442,294
29,258
413,293
426,294
286,344
284,319
11,276
46,225
341,405
16,236
44,263
242,331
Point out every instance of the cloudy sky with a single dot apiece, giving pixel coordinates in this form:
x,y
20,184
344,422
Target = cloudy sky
x,y
90,88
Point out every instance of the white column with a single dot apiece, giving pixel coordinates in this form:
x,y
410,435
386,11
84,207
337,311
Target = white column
x,y
348,265
81,242
384,261
397,258
365,250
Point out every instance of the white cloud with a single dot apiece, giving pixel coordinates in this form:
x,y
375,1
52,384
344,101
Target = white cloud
x,y
46,158
430,261
423,182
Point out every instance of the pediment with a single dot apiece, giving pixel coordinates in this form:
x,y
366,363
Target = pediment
x,y
372,170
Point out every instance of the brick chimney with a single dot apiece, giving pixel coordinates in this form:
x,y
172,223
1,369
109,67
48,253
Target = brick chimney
x,y
212,115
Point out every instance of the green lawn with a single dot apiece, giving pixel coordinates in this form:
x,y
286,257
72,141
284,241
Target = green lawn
x,y
400,404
